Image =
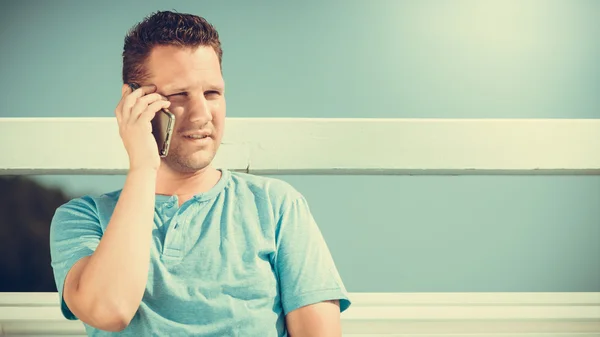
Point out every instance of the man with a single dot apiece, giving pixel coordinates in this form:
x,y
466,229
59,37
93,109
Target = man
x,y
185,249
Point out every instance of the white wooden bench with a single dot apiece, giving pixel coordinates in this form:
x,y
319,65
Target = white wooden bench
x,y
344,146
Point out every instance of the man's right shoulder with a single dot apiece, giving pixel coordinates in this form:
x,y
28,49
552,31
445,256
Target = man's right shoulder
x,y
100,206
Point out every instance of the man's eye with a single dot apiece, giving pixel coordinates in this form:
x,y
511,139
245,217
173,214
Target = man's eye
x,y
211,93
178,94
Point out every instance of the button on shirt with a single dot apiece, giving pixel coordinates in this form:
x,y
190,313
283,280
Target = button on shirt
x,y
232,261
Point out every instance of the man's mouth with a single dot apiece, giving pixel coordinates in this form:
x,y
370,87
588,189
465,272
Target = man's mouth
x,y
196,136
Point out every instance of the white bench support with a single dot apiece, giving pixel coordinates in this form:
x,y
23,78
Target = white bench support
x,y
381,314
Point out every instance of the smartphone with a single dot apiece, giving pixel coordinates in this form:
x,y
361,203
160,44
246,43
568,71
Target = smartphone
x,y
162,127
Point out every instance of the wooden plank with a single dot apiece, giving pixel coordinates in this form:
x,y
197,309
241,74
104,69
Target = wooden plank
x,y
387,314
324,146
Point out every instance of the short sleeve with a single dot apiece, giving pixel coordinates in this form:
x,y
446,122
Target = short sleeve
x,y
75,233
306,270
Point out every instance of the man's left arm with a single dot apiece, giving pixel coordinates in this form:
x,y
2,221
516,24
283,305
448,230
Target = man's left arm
x,y
319,319
312,293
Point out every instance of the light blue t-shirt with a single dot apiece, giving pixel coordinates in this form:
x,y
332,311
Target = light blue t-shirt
x,y
232,261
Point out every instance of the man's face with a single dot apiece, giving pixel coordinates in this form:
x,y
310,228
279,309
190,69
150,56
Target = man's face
x,y
192,81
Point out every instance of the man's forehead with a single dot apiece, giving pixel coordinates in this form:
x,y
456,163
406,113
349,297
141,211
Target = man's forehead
x,y
173,67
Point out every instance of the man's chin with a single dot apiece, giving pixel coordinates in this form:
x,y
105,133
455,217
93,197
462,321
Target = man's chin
x,y
189,163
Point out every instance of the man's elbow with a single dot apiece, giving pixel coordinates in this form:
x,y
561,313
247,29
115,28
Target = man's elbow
x,y
112,326
110,320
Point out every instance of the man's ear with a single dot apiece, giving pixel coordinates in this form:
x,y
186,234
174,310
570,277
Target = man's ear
x,y
124,89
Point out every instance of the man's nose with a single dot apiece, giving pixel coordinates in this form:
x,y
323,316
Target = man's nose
x,y
199,111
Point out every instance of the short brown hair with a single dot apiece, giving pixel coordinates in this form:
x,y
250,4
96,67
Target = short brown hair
x,y
164,28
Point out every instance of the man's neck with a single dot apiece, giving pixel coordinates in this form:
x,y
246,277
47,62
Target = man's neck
x,y
186,185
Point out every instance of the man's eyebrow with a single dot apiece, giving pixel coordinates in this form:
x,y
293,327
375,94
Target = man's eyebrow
x,y
174,89
216,87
